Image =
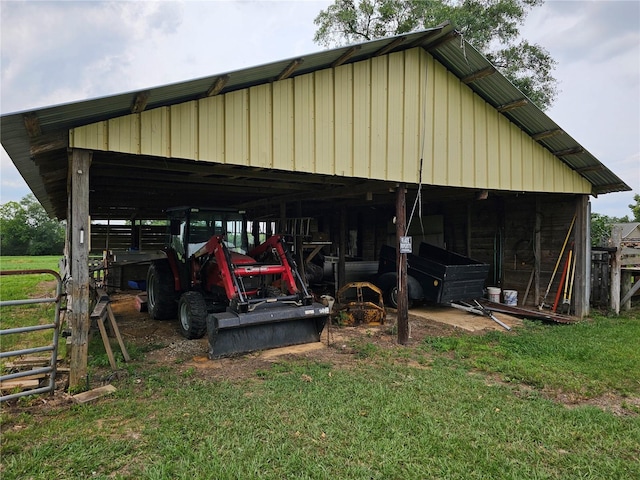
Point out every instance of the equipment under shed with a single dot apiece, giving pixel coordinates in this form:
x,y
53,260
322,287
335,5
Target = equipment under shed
x,y
347,149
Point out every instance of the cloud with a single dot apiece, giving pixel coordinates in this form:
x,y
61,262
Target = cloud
x,y
74,50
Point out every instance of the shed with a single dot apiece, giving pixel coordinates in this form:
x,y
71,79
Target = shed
x,y
332,136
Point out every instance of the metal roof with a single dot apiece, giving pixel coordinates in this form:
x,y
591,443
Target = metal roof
x,y
28,134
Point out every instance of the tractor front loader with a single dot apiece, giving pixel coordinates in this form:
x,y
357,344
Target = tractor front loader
x,y
245,302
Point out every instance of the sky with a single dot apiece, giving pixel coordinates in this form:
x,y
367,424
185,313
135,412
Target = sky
x,y
54,52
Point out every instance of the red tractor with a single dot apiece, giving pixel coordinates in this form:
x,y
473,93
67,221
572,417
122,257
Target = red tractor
x,y
245,301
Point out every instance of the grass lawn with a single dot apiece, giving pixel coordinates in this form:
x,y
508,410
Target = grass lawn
x,y
548,401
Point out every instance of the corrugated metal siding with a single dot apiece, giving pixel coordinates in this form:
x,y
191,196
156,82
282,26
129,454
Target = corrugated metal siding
x,y
359,120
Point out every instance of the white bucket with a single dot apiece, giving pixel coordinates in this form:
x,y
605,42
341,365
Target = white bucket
x,y
511,297
494,294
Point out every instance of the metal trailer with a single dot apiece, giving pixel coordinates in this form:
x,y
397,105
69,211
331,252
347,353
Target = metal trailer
x,y
434,275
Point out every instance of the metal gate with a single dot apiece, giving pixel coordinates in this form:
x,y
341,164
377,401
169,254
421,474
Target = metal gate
x,y
53,347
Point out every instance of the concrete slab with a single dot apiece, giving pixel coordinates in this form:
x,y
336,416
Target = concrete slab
x,y
464,320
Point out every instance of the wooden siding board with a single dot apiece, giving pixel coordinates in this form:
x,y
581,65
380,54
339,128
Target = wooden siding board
x,y
211,131
154,132
413,121
236,128
260,127
468,138
283,124
440,131
304,136
394,166
516,158
184,130
454,132
361,118
480,152
324,124
428,166
124,134
377,167
344,135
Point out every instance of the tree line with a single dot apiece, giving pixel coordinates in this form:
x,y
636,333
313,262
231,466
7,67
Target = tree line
x,y
26,229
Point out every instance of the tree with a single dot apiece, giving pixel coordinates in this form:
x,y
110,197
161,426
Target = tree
x,y
26,229
635,209
491,26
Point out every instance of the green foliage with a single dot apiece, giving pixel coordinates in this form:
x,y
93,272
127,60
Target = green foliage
x,y
635,209
27,229
601,227
491,26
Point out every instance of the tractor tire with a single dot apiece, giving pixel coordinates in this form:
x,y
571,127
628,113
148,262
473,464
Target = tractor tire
x,y
192,313
161,294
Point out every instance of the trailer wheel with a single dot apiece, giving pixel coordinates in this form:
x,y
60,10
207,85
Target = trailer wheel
x,y
392,298
161,294
192,313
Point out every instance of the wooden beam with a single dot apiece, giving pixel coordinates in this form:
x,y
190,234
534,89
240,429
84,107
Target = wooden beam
x,y
342,248
616,259
49,143
288,71
79,164
569,151
590,168
512,105
546,134
480,74
32,125
582,242
346,56
218,85
140,101
446,39
390,46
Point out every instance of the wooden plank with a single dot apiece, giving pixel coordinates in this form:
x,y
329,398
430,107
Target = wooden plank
x,y
20,383
116,330
107,344
30,362
100,310
626,300
94,394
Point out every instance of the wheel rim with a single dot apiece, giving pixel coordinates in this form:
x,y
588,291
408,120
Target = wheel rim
x,y
393,296
151,294
184,317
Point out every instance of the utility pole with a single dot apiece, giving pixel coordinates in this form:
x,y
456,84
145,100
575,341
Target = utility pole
x,y
403,292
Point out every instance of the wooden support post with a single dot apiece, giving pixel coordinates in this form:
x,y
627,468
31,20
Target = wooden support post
x,y
403,292
582,256
616,266
78,183
625,288
342,248
536,252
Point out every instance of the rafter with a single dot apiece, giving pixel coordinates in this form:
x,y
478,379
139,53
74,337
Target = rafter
x,y
289,69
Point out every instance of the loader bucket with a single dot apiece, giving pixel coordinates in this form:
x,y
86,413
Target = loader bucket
x,y
271,326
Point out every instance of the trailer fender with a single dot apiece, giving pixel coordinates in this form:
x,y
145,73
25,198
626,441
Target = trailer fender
x,y
388,283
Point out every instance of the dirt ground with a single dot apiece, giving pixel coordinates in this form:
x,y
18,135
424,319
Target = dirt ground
x,y
335,346
164,345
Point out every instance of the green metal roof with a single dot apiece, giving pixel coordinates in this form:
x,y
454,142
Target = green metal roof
x,y
443,42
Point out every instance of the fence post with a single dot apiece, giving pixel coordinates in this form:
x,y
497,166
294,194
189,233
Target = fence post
x,y
616,264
